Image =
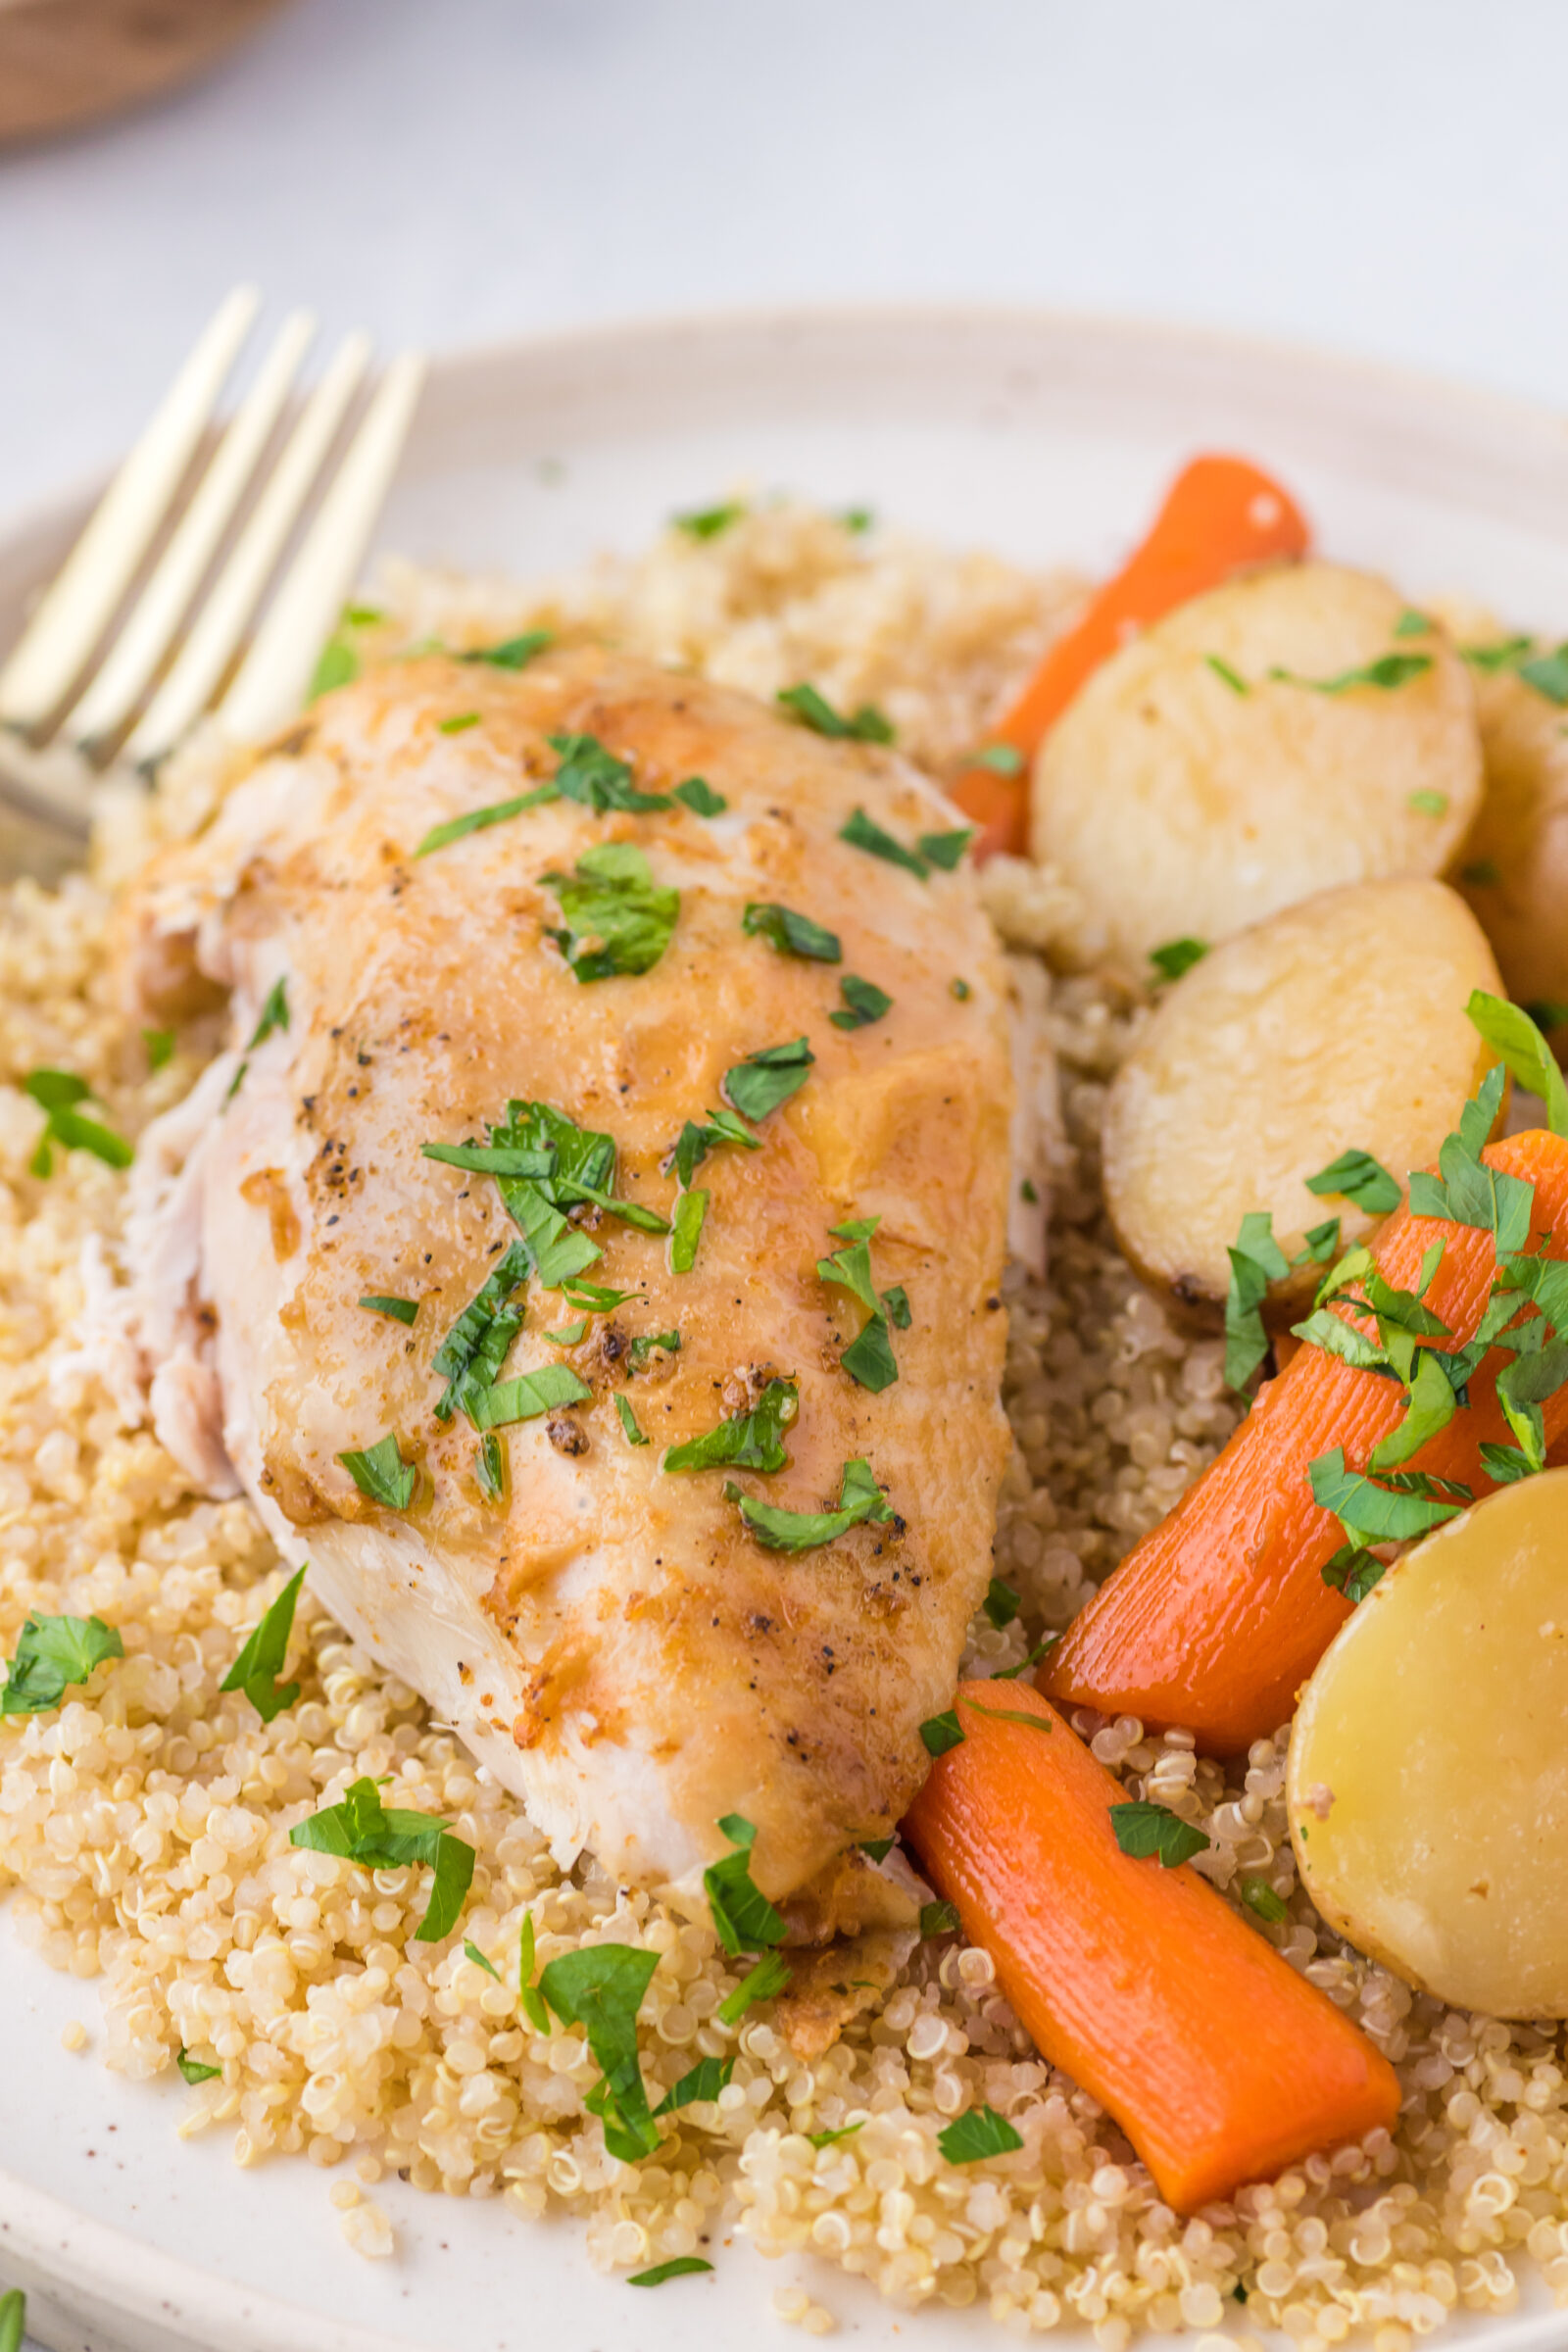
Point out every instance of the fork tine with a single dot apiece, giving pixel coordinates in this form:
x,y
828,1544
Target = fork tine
x,y
163,602
99,566
273,677
225,613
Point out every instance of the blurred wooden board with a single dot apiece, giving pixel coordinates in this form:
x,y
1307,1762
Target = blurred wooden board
x,y
63,63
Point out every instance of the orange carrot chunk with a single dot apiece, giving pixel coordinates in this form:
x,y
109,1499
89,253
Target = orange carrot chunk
x,y
1219,1616
1219,2062
1220,515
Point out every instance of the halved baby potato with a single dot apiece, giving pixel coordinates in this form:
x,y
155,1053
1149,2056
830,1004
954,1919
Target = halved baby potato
x,y
1338,1025
1428,1778
1187,791
1513,863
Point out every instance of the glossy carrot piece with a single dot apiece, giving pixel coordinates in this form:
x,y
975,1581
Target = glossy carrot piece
x,y
1219,1615
1220,515
1219,2062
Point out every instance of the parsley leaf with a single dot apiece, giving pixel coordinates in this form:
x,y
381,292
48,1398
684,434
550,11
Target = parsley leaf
x,y
1512,1033
1431,1406
743,1919
396,1310
473,1952
591,775
1357,1176
568,1335
57,1094
979,2133
765,1079
679,2266
946,849
1256,1260
1547,673
859,1500
691,1209
699,796
1411,623
862,832
789,933
1142,1829
1259,1896
490,1467
826,2140
1506,654
643,1345
705,2082
815,710
338,664
1523,1387
1407,1503
938,1919
749,1441
382,1473
479,820
863,1003
1388,671
601,1988
1003,758
694,1142
761,1983
362,1830
1178,955
1427,803
513,653
526,1397
160,1045
869,1357
458,723
193,2070
1002,1604
260,1662
528,1994
54,1654
1226,675
1467,1191
706,522
617,918
628,1421
470,1356
1503,1464
942,1732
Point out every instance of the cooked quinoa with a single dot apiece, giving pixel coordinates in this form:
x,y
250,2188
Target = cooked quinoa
x,y
144,1826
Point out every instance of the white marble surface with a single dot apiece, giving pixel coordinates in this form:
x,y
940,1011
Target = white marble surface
x,y
1387,177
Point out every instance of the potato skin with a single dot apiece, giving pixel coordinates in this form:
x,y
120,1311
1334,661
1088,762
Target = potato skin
x,y
1513,865
1182,809
1338,1024
1428,1778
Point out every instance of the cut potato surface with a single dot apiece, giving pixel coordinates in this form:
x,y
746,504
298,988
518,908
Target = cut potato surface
x,y
1427,1781
1514,865
1185,793
1338,1025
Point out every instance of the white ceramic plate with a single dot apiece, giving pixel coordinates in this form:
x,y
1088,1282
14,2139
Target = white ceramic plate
x,y
1042,438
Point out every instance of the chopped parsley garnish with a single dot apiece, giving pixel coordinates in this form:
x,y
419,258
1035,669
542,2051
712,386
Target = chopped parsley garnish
x,y
827,2139
381,1473
1002,1604
705,2082
679,2266
696,1142
814,709
1512,1032
513,653
765,1079
979,2133
57,1094
1024,1715
761,1983
946,849
260,1662
1027,1192
1404,1504
706,522
617,918
1259,1896
869,1357
1011,1674
961,990
691,1209
193,2070
1226,676
396,1310
54,1654
748,1441
1547,673
1548,1012
1357,1176
1143,1828
589,774
877,1850
273,1015
472,1951
1466,1191
160,1045
697,795
791,934
595,1297
459,724
528,1994
863,1003
338,664
1412,623
859,1500
1256,1260
938,1919
1505,654
526,1397
1523,1387
478,820
363,1829
643,1345
628,1421
862,832
1428,803
470,1356
942,1732
743,1919
857,519
601,1988
1003,758
1388,671
544,1163
568,1335
1178,955
490,1467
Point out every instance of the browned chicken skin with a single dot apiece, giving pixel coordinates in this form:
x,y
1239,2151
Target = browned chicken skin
x,y
609,1637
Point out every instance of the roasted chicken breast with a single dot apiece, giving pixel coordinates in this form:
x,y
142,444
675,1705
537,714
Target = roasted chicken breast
x,y
637,1647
